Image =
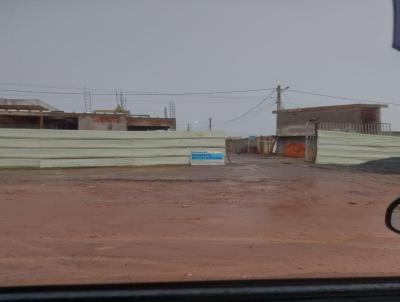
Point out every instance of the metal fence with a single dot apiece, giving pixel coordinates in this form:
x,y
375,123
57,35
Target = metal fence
x,y
354,148
266,145
92,148
362,128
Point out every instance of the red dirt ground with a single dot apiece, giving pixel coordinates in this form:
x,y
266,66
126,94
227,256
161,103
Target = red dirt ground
x,y
257,218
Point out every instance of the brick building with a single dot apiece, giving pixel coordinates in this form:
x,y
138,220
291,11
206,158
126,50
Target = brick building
x,y
17,113
293,125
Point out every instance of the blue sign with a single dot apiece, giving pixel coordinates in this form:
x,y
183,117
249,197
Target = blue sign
x,y
207,158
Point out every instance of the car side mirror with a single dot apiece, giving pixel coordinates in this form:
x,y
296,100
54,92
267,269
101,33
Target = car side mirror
x,y
392,218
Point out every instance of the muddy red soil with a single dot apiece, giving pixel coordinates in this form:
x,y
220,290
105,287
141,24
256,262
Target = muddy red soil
x,y
257,218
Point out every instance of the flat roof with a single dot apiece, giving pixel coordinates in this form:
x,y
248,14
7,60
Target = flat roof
x,y
36,112
25,104
334,107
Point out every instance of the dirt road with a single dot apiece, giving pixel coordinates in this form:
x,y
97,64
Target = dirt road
x,y
258,218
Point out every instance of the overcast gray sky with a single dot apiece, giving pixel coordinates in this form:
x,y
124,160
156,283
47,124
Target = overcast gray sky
x,y
335,47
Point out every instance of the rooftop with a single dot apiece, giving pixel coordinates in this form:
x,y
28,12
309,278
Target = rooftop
x,y
335,107
26,104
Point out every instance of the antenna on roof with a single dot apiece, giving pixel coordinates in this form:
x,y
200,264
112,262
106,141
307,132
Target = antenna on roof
x,y
171,109
87,99
121,100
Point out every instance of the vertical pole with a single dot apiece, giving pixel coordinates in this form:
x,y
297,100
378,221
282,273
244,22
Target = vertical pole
x,y
172,109
278,98
188,126
84,98
121,100
165,112
278,106
307,151
90,101
210,123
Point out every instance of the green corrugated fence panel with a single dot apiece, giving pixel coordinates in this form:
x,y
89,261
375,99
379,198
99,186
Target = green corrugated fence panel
x,y
354,148
96,153
19,143
365,140
112,135
19,163
129,143
103,162
133,143
76,148
181,160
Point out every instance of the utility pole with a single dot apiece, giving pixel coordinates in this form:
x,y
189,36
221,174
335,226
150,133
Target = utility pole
x,y
279,91
279,106
188,126
165,112
210,123
278,98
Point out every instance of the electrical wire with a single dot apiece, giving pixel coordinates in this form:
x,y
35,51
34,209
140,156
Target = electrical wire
x,y
199,93
41,86
248,111
130,91
211,94
137,93
289,100
341,98
225,100
254,115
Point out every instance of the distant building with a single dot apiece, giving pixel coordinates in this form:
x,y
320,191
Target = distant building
x,y
293,125
17,113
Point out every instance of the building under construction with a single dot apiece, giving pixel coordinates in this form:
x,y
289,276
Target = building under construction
x,y
294,125
35,114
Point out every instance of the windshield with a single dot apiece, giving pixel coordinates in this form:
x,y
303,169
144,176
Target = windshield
x,y
197,140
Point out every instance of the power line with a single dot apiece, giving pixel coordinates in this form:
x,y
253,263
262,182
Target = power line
x,y
138,93
341,98
248,111
212,94
290,101
254,115
39,86
133,100
112,90
200,93
42,92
